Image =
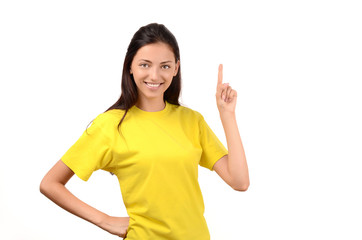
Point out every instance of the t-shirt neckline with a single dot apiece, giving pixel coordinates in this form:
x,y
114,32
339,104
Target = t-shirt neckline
x,y
152,114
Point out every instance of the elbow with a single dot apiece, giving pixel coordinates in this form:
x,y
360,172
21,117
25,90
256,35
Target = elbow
x,y
241,187
42,187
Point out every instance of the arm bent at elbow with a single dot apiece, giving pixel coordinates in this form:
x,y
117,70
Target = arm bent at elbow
x,y
53,187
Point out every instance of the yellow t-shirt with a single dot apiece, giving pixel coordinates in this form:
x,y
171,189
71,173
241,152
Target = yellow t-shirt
x,y
156,162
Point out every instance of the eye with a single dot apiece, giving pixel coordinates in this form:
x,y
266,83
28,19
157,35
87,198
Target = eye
x,y
166,67
144,65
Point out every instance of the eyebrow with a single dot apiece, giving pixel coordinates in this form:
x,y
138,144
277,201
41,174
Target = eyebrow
x,y
145,60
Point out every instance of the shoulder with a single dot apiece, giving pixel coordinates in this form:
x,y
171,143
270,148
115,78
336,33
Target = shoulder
x,y
111,114
188,113
107,122
109,117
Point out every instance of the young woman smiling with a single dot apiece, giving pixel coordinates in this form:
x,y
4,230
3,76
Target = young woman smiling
x,y
154,146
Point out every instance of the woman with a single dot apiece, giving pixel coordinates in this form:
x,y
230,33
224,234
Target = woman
x,y
154,146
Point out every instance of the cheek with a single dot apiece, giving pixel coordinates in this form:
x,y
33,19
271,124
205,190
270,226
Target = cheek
x,y
167,76
139,76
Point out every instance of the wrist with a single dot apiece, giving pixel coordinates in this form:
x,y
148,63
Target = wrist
x,y
226,114
101,220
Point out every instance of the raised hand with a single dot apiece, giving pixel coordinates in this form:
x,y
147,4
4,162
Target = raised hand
x,y
225,95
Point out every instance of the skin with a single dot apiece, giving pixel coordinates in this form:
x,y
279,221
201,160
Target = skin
x,y
232,168
155,63
152,63
53,187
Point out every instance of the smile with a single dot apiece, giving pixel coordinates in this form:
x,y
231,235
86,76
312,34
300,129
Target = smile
x,y
153,86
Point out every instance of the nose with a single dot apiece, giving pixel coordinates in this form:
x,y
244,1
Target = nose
x,y
154,74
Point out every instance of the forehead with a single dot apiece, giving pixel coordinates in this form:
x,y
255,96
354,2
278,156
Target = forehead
x,y
155,52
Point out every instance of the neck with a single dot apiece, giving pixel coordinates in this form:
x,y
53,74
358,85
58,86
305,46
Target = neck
x,y
155,105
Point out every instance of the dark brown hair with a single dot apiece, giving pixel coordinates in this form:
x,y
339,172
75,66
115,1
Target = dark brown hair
x,y
151,33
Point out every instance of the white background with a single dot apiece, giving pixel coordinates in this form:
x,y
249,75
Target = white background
x,y
296,66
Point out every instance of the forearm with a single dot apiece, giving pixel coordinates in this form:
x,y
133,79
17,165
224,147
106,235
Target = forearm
x,y
237,164
61,196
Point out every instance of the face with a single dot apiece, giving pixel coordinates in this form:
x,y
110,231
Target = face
x,y
153,68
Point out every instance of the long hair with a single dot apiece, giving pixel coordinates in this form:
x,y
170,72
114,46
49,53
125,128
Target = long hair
x,y
151,33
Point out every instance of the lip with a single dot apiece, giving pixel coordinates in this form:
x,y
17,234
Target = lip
x,y
153,88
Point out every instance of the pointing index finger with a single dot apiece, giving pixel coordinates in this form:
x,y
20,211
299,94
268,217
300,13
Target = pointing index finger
x,y
219,80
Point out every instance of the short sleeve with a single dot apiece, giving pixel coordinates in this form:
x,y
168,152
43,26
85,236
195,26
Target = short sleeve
x,y
90,152
212,148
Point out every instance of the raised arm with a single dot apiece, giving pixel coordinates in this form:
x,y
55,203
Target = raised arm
x,y
232,168
53,187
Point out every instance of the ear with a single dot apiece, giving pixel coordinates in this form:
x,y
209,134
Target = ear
x,y
130,71
177,67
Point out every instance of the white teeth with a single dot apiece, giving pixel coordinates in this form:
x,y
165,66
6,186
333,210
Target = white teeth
x,y
153,85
